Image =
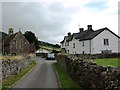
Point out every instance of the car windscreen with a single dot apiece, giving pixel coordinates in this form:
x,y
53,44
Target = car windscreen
x,y
50,55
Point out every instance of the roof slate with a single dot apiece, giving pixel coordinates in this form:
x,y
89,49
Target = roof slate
x,y
86,35
90,34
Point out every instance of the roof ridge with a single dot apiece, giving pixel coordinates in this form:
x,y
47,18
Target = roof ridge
x,y
101,28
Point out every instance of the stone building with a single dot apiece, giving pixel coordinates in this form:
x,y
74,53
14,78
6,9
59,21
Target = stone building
x,y
16,43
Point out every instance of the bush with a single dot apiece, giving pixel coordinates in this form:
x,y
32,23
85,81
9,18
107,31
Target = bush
x,y
55,51
13,54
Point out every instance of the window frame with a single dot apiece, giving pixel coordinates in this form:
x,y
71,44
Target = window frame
x,y
67,43
83,44
106,41
73,45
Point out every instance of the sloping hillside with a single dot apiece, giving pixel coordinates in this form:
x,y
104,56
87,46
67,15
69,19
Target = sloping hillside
x,y
49,46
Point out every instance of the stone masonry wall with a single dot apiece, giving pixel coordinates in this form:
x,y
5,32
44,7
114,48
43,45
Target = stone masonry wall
x,y
90,75
13,67
95,56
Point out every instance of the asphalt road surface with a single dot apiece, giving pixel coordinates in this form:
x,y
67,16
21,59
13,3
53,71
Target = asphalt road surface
x,y
42,76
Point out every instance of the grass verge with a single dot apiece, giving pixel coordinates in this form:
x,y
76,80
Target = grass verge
x,y
6,83
65,80
113,62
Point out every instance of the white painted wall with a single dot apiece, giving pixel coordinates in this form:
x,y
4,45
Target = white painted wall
x,y
79,48
119,45
65,45
70,47
98,43
85,48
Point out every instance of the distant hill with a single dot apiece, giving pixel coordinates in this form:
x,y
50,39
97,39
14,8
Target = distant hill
x,y
42,43
53,48
3,35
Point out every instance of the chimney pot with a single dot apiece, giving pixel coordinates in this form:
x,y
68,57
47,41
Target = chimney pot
x,y
81,29
69,34
89,27
10,32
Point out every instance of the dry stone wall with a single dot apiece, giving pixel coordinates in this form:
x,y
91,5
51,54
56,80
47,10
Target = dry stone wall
x,y
13,67
95,56
90,75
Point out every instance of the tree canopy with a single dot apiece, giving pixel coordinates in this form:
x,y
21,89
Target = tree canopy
x,y
30,36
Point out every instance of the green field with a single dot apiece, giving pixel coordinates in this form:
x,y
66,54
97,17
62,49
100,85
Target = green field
x,y
114,62
49,48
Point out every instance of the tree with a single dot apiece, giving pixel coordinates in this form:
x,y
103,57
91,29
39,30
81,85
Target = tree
x,y
57,46
30,36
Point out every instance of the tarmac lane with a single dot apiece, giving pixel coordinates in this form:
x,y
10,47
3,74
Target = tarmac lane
x,y
42,76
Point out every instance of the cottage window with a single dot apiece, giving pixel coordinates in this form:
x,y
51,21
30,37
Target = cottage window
x,y
15,42
106,42
67,43
73,45
83,43
83,52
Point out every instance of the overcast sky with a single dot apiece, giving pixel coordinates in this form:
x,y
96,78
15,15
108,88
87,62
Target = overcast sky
x,y
51,20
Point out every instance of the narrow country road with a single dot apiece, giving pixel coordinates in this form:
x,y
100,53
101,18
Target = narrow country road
x,y
42,76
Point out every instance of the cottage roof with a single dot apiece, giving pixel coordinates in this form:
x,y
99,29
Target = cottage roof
x,y
67,38
62,41
9,38
90,34
81,34
87,34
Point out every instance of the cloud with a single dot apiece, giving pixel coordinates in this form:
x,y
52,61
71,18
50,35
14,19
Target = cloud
x,y
98,18
51,20
47,22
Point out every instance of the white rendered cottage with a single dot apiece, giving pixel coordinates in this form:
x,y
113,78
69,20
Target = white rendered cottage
x,y
91,41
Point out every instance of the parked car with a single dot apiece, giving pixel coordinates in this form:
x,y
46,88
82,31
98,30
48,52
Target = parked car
x,y
50,56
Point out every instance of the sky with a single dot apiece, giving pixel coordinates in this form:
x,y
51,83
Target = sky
x,y
51,20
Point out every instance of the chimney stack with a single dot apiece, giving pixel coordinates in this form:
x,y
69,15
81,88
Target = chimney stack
x,y
69,34
89,27
10,32
81,29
